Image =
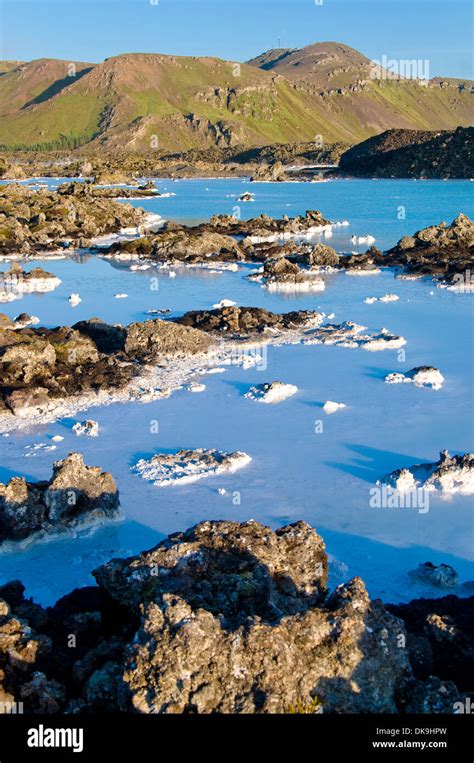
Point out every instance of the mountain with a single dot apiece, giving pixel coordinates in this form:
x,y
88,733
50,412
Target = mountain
x,y
176,103
324,65
413,153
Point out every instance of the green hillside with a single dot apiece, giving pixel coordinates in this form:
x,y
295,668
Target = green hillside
x,y
174,103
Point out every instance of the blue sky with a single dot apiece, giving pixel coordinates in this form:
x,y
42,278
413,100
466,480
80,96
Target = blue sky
x,y
91,30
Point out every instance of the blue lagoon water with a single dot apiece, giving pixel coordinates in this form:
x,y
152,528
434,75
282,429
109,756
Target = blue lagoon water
x,y
297,471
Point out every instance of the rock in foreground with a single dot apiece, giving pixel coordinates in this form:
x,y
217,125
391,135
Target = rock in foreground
x,y
231,618
233,621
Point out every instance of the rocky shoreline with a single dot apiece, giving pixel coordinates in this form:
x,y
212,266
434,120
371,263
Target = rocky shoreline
x,y
232,617
34,223
41,366
293,261
42,221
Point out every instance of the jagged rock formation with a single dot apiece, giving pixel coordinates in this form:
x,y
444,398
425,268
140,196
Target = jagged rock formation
x,y
76,496
231,618
181,244
281,274
88,189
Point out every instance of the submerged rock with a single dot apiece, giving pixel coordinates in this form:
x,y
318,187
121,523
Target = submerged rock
x,y
331,407
441,576
76,496
74,299
385,298
349,334
88,427
188,465
16,282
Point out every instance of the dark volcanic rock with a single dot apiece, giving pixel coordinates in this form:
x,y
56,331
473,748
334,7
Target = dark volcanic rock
x,y
446,251
215,241
440,576
39,366
414,154
76,495
319,256
33,220
447,626
107,338
232,620
245,321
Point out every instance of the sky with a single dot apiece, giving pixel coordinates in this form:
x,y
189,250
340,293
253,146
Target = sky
x,y
439,31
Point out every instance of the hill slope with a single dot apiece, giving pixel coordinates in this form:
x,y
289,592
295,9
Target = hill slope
x,y
413,153
176,103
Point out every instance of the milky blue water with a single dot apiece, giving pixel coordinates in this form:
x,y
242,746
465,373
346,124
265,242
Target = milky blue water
x,y
297,470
